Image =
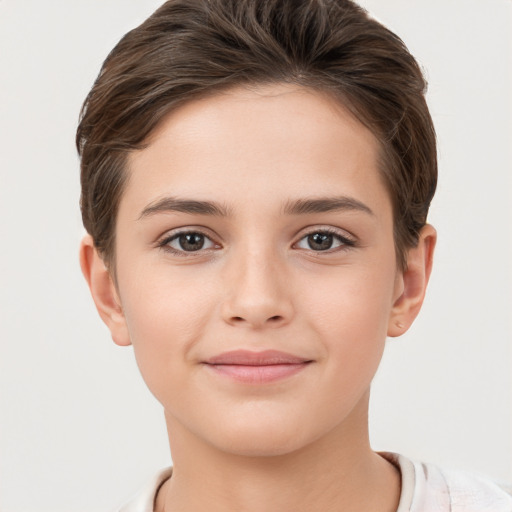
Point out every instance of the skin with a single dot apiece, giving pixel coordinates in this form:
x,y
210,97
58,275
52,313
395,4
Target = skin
x,y
298,443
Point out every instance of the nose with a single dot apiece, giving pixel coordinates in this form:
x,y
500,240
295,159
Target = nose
x,y
257,293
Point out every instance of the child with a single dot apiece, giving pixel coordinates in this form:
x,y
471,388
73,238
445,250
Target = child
x,y
256,177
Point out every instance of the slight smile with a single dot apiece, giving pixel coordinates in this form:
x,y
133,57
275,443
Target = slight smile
x,y
257,367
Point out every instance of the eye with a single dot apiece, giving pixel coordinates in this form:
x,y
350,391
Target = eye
x,y
187,241
324,240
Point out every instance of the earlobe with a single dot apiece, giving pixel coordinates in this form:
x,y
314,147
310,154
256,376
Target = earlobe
x,y
412,283
103,291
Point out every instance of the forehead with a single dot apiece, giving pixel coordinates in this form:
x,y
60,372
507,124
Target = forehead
x,y
260,144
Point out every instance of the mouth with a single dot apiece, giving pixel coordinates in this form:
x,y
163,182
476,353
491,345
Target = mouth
x,y
257,367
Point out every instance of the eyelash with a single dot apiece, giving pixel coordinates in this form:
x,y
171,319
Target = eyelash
x,y
164,243
345,243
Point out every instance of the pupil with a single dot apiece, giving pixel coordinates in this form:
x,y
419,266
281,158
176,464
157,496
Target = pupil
x,y
191,241
320,241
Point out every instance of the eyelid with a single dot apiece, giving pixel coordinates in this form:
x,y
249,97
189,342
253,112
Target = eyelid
x,y
348,240
163,241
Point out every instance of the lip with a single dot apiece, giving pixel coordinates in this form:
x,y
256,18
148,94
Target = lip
x,y
257,367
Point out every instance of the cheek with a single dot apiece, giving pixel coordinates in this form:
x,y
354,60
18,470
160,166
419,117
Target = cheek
x,y
353,332
350,314
166,317
351,303
162,302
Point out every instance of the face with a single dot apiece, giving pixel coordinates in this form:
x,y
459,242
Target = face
x,y
256,268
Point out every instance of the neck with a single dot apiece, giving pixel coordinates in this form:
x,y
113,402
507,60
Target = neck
x,y
338,472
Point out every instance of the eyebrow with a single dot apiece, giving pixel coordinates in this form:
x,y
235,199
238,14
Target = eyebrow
x,y
191,206
324,205
297,207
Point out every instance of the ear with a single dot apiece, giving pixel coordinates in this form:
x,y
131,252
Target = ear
x,y
103,291
411,284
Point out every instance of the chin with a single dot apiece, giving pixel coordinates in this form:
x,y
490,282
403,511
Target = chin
x,y
267,447
262,439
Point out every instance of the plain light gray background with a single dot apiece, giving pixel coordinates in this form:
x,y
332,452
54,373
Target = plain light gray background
x,y
78,430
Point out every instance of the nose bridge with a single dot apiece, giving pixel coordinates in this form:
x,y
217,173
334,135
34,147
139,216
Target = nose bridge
x,y
256,291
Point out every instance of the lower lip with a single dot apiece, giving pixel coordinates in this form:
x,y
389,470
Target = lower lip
x,y
260,374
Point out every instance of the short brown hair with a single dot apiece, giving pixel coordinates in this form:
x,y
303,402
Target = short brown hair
x,y
191,48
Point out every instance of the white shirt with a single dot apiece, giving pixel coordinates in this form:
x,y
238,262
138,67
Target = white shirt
x,y
425,488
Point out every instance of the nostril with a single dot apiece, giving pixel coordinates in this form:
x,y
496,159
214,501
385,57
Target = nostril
x,y
272,319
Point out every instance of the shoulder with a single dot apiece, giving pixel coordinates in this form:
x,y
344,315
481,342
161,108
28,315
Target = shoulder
x,y
473,493
144,500
428,488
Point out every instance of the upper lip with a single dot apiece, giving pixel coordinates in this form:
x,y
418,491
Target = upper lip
x,y
250,358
